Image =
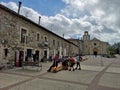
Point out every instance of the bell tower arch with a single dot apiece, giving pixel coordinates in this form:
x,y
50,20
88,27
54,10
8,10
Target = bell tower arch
x,y
86,36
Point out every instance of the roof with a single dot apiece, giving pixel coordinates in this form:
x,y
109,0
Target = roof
x,y
22,17
95,39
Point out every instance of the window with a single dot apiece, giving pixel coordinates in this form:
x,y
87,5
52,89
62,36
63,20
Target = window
x,y
53,42
23,35
58,43
6,52
45,38
45,41
38,37
94,43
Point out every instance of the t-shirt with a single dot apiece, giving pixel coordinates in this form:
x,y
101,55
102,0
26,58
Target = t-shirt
x,y
56,58
72,60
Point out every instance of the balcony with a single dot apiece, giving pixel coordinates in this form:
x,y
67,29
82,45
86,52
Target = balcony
x,y
43,44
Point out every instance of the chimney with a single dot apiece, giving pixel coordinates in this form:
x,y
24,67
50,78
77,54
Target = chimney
x,y
63,35
19,7
39,20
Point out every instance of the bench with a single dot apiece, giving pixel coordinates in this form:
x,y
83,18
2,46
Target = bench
x,y
30,63
6,65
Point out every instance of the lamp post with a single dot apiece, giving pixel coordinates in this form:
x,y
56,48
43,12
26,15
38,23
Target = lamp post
x,y
1,48
118,48
79,50
25,41
68,50
89,50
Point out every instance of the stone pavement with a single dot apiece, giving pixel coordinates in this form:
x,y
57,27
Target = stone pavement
x,y
98,73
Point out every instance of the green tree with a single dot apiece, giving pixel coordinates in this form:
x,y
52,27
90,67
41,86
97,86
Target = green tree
x,y
111,50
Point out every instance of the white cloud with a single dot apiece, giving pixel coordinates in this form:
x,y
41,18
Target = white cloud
x,y
102,14
10,5
99,17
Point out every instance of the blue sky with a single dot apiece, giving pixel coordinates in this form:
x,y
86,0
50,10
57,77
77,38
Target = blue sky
x,y
45,7
73,17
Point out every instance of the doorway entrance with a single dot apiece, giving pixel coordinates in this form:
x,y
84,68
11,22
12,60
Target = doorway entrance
x,y
95,51
45,53
37,55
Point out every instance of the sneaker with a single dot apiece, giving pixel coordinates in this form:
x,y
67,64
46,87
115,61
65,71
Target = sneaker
x,y
73,69
48,70
79,68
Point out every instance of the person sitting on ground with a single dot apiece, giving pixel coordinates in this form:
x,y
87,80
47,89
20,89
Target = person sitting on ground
x,y
65,63
50,58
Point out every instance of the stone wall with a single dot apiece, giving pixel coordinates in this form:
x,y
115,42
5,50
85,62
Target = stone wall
x,y
11,25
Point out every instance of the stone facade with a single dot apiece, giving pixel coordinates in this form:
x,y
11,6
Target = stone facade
x,y
90,47
21,36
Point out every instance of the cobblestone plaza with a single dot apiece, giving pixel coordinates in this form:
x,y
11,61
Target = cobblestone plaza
x,y
98,73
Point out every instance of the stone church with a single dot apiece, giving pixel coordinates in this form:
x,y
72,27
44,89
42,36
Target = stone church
x,y
90,46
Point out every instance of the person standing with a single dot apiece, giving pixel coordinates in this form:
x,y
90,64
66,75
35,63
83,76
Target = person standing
x,y
55,62
78,58
34,57
50,58
72,63
65,63
56,58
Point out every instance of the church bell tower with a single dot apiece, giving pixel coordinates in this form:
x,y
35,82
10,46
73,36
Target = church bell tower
x,y
86,36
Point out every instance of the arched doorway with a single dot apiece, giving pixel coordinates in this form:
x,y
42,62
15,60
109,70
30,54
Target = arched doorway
x,y
95,51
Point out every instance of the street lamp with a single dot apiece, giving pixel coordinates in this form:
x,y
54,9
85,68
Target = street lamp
x,y
25,41
78,40
68,49
1,43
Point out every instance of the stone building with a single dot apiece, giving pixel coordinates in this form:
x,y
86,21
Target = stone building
x,y
20,38
90,46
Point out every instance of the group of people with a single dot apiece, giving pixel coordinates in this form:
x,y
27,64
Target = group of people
x,y
68,63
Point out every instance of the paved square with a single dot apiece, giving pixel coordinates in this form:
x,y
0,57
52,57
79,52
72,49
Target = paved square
x,y
7,79
76,76
41,84
96,74
110,80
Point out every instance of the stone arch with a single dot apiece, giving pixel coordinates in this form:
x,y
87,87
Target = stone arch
x,y
95,51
